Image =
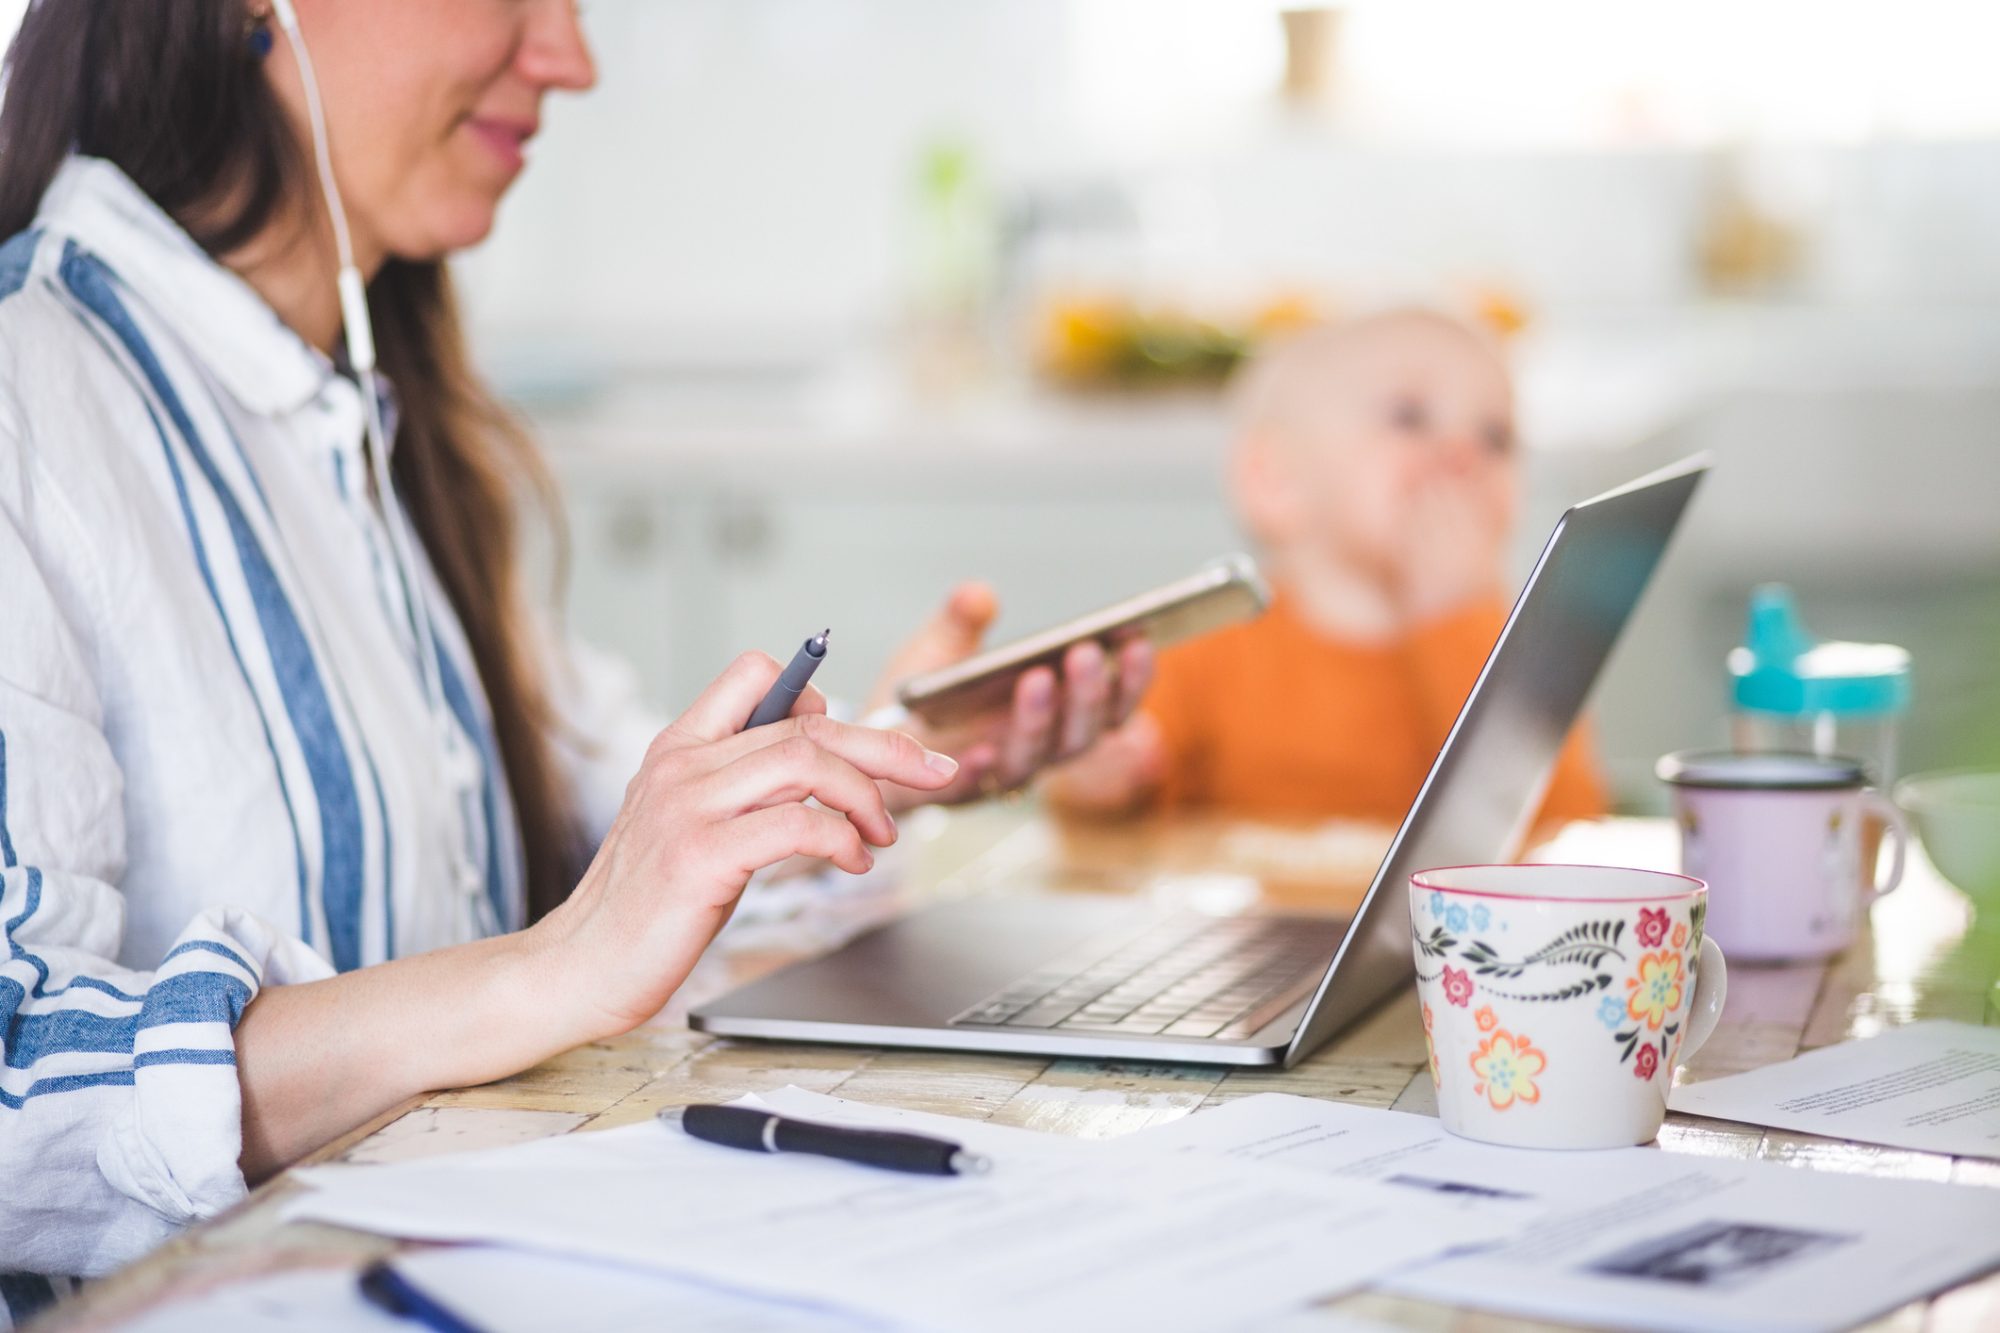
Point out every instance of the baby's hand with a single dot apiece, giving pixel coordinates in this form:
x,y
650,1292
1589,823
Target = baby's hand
x,y
1453,548
1117,776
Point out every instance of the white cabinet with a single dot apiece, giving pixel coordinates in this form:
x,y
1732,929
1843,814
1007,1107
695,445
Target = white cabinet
x,y
627,567
680,566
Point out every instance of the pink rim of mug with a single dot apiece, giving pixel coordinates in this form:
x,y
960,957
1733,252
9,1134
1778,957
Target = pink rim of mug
x,y
1418,881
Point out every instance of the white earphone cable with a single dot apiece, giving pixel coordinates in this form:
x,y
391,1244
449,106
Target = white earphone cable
x,y
359,335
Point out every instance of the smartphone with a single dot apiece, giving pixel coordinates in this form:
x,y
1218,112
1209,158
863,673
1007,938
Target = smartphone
x,y
1220,593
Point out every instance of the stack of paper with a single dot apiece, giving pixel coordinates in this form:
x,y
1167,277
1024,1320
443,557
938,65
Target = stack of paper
x,y
1062,1233
1633,1237
1230,1218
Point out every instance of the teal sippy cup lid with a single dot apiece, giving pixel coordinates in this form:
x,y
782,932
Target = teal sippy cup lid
x,y
1782,669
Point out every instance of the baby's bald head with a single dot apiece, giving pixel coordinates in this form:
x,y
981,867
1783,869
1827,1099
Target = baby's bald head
x,y
1340,423
1289,390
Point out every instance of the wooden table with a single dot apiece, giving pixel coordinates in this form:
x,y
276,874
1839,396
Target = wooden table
x,y
1922,960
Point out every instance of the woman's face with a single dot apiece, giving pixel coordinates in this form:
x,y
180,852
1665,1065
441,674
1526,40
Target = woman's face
x,y
429,107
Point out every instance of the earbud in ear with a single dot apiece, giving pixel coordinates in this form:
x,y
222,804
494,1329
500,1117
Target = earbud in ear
x,y
257,33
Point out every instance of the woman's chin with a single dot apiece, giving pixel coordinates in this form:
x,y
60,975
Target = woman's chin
x,y
451,229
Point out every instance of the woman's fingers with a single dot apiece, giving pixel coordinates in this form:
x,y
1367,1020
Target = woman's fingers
x,y
1025,746
1135,677
1052,717
766,837
1086,692
723,708
793,770
1057,720
891,755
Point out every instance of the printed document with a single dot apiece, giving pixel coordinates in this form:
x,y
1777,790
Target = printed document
x,y
1632,1237
1062,1233
1930,1086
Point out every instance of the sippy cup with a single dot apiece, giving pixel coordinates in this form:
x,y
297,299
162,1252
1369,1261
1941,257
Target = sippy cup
x,y
1795,694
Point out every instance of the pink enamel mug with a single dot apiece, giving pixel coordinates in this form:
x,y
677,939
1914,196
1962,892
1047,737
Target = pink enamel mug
x,y
1557,1000
1786,844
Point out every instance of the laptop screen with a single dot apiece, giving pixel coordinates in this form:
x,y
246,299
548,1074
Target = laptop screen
x,y
1488,778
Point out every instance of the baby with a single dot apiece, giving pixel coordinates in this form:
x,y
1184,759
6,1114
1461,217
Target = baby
x,y
1376,468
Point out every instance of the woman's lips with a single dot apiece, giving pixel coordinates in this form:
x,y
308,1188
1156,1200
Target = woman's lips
x,y
506,139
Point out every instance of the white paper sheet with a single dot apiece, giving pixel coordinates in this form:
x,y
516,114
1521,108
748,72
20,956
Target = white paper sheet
x,y
498,1291
1930,1086
1062,1233
1634,1237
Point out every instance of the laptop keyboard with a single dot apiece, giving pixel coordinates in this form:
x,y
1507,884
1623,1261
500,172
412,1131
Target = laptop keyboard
x,y
1185,976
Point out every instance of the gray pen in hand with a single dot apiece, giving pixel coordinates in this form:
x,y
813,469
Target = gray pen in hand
x,y
791,683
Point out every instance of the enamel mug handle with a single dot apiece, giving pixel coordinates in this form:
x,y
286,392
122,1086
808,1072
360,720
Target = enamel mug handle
x,y
1899,832
1711,987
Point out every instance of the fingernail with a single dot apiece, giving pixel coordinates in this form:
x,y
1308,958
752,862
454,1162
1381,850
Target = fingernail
x,y
941,764
867,861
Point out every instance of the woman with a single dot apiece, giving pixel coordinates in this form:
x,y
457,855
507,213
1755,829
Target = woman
x,y
292,829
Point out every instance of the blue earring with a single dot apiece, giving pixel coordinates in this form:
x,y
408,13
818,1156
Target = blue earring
x,y
258,39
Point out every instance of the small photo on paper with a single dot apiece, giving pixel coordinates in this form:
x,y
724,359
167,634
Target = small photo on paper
x,y
1716,1255
1459,1188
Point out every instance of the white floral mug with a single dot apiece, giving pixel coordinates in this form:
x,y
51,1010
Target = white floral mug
x,y
1558,1000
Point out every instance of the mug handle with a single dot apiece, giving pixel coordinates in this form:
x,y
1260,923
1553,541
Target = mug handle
x,y
1893,823
1711,988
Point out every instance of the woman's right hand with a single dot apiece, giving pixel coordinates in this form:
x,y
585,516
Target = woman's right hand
x,y
711,805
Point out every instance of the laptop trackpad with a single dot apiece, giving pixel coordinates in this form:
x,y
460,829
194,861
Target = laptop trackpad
x,y
924,969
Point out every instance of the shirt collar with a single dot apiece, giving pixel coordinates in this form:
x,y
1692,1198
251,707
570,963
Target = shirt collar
x,y
255,355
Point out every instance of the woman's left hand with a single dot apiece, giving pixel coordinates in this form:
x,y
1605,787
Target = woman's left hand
x,y
1054,717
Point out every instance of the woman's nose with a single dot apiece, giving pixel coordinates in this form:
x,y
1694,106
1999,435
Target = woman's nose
x,y
555,53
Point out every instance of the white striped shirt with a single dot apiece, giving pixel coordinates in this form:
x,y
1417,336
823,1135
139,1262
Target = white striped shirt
x,y
218,769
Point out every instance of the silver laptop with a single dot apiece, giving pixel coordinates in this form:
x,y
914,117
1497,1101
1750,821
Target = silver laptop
x,y
1099,976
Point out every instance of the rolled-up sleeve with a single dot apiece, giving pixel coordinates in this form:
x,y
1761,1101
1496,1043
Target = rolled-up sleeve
x,y
120,1113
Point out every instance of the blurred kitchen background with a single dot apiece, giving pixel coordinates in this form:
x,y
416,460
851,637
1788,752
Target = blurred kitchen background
x,y
821,305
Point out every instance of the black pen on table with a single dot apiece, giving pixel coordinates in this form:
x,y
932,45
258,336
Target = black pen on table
x,y
791,683
386,1289
766,1131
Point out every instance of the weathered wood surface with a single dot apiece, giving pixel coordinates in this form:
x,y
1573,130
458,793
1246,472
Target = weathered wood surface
x,y
1923,958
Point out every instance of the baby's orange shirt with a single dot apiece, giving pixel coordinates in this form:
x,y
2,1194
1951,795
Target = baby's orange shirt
x,y
1270,719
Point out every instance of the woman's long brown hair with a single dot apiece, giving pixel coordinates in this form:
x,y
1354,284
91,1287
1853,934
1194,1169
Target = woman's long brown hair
x,y
169,92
